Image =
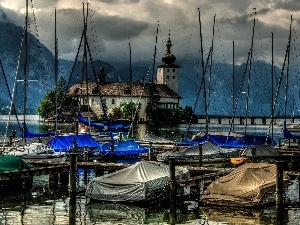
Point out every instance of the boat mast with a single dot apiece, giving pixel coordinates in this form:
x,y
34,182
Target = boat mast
x,y
85,16
211,63
25,74
287,69
249,73
56,73
203,73
233,85
272,86
130,74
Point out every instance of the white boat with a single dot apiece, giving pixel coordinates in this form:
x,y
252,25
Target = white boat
x,y
36,150
142,182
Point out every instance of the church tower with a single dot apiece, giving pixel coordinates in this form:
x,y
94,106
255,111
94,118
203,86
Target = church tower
x,y
168,73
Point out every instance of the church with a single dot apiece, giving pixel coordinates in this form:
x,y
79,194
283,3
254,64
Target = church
x,y
111,94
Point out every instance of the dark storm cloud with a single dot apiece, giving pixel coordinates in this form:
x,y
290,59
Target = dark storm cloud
x,y
110,27
113,2
290,5
118,28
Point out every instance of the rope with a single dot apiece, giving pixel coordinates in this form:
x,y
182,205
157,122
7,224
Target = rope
x,y
238,97
277,91
202,81
10,95
144,85
13,92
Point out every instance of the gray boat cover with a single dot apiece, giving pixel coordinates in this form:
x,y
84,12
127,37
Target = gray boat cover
x,y
251,184
261,151
209,151
134,183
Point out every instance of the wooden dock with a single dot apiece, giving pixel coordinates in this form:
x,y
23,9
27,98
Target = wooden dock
x,y
62,173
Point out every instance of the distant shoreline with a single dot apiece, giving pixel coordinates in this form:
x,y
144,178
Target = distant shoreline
x,y
20,118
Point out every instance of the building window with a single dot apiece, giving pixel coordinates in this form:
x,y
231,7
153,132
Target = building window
x,y
113,101
168,77
173,77
174,70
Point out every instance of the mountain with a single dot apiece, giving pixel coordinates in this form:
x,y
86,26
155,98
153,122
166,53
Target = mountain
x,y
41,79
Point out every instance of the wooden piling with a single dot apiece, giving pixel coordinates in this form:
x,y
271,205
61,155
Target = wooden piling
x,y
150,151
172,180
14,133
85,169
53,180
72,210
64,180
172,189
76,127
10,141
73,168
253,154
279,184
200,155
112,149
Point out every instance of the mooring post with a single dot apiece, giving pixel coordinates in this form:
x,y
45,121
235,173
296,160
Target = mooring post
x,y
182,137
72,210
14,133
76,127
253,154
279,184
53,180
85,152
10,141
112,149
73,168
200,155
64,180
172,189
150,151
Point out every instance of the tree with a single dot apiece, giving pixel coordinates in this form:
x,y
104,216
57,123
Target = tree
x,y
129,109
116,113
47,106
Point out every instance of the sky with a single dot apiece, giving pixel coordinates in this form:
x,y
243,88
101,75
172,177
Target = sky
x,y
113,24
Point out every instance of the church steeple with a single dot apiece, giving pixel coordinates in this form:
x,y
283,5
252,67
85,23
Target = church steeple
x,y
168,73
168,58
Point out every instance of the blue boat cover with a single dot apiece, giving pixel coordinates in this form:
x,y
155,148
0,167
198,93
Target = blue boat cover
x,y
66,142
231,141
88,123
28,134
120,124
128,148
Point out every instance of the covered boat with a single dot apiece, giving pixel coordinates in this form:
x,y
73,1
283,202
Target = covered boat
x,y
141,182
210,153
256,153
65,143
122,149
250,185
225,140
12,163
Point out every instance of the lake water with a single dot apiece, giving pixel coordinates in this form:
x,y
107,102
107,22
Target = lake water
x,y
42,205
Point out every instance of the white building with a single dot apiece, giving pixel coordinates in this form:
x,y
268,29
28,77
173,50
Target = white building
x,y
113,94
